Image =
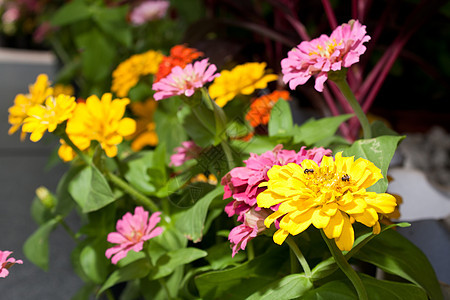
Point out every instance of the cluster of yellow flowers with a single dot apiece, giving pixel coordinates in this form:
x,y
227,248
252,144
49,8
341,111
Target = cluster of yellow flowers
x,y
42,110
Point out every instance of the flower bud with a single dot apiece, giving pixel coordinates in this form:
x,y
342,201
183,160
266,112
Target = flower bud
x,y
46,197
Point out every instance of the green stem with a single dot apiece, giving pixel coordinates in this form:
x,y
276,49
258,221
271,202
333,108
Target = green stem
x,y
300,257
348,94
345,267
250,251
68,229
135,194
229,156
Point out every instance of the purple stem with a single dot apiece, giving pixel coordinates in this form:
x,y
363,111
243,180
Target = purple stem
x,y
355,9
299,27
329,100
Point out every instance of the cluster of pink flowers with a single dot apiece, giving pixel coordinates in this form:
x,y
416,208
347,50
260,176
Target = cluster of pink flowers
x,y
242,184
184,81
6,263
149,11
323,54
188,150
132,232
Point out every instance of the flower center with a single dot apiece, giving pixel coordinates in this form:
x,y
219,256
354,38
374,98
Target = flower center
x,y
327,185
326,49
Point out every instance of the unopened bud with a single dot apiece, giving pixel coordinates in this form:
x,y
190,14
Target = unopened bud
x,y
46,197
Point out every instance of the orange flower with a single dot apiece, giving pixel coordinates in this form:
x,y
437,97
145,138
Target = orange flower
x,y
180,55
259,113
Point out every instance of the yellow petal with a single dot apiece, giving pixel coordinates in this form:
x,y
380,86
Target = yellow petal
x,y
346,239
334,227
271,218
279,236
301,222
320,219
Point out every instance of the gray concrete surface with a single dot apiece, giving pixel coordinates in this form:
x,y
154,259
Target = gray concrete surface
x,y
22,170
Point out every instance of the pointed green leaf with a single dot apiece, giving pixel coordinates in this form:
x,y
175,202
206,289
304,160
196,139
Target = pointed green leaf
x,y
289,287
314,131
134,270
280,123
192,221
93,260
90,190
36,246
380,151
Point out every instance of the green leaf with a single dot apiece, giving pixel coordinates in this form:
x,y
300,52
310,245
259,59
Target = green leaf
x,y
280,123
112,21
93,260
376,290
169,130
219,256
241,281
135,270
90,190
379,128
168,262
39,212
97,54
70,13
192,221
85,292
65,201
200,125
36,246
328,266
378,150
289,287
396,255
314,131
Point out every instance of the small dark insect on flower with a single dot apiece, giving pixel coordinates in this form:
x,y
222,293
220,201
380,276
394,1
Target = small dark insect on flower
x,y
306,171
345,177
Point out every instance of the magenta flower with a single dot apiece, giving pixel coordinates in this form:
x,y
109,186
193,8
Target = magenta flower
x,y
323,54
185,81
188,150
242,183
132,232
6,263
149,11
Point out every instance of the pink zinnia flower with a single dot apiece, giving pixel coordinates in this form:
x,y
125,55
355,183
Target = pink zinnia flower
x,y
149,11
132,232
188,150
253,225
323,54
6,263
184,81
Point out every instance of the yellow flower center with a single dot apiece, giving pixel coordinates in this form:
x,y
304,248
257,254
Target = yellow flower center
x,y
326,49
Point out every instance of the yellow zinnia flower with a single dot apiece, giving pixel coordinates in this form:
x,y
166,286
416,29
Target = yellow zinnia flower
x,y
39,91
330,196
242,79
100,120
47,117
128,73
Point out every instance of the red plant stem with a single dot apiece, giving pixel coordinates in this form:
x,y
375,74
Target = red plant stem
x,y
299,27
329,100
355,9
364,6
330,13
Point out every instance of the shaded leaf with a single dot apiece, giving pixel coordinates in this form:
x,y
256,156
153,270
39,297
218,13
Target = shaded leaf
x,y
396,255
93,260
280,123
70,13
36,246
134,270
168,262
